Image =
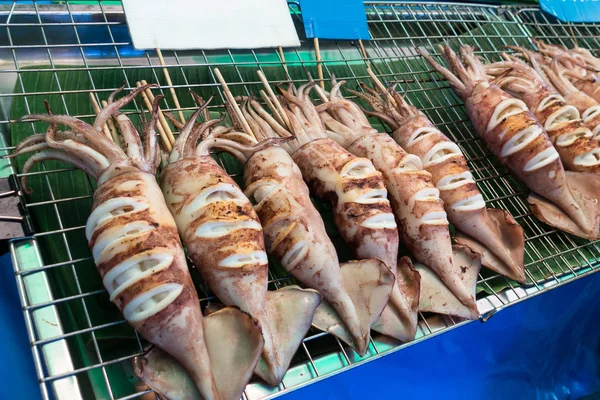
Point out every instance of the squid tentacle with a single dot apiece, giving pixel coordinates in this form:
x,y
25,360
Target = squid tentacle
x,y
199,134
57,155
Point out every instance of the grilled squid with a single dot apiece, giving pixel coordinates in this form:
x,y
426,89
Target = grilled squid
x,y
355,292
572,139
582,66
491,232
586,105
224,238
565,200
554,74
415,200
135,246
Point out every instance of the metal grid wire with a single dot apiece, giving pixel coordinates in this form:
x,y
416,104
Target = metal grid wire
x,y
54,41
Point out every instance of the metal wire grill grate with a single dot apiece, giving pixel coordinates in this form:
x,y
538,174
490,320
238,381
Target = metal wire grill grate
x,y
81,347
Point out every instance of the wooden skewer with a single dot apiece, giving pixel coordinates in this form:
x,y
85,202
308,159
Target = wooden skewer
x,y
271,106
380,86
97,110
233,103
321,94
161,131
362,49
161,117
319,65
274,99
170,83
287,73
111,126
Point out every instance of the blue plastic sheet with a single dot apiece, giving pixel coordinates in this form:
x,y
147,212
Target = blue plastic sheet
x,y
545,348
573,10
335,19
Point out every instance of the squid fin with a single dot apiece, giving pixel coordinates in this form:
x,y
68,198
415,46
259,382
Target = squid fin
x,y
234,342
369,284
501,228
290,311
437,298
585,188
165,375
399,318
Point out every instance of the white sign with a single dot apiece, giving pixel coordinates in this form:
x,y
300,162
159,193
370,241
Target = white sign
x,y
210,24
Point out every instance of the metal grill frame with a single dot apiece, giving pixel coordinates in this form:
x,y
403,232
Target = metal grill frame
x,y
396,29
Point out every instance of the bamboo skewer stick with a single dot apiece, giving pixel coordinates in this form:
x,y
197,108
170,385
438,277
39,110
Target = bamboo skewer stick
x,y
170,83
233,103
161,117
321,94
97,110
274,99
319,64
283,62
362,50
272,107
380,86
111,125
161,131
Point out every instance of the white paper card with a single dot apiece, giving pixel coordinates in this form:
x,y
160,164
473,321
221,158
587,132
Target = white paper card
x,y
210,24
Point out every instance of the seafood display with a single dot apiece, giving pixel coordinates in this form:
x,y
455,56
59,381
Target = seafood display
x,y
414,198
224,238
575,144
355,292
493,233
135,246
309,227
563,199
558,71
582,67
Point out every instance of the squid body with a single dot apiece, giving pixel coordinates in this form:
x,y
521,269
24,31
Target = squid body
x,y
575,144
224,238
135,246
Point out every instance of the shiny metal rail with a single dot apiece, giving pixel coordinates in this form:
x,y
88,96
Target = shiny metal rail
x,y
51,40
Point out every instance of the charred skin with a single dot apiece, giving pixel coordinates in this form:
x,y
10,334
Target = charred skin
x,y
294,230
222,233
362,213
462,200
573,139
534,161
145,271
220,229
420,213
588,108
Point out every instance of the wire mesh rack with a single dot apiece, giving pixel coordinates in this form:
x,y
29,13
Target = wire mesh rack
x,y
81,346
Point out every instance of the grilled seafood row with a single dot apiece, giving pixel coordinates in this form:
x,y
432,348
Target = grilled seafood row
x,y
578,149
134,243
224,238
563,199
570,73
499,237
355,292
423,224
